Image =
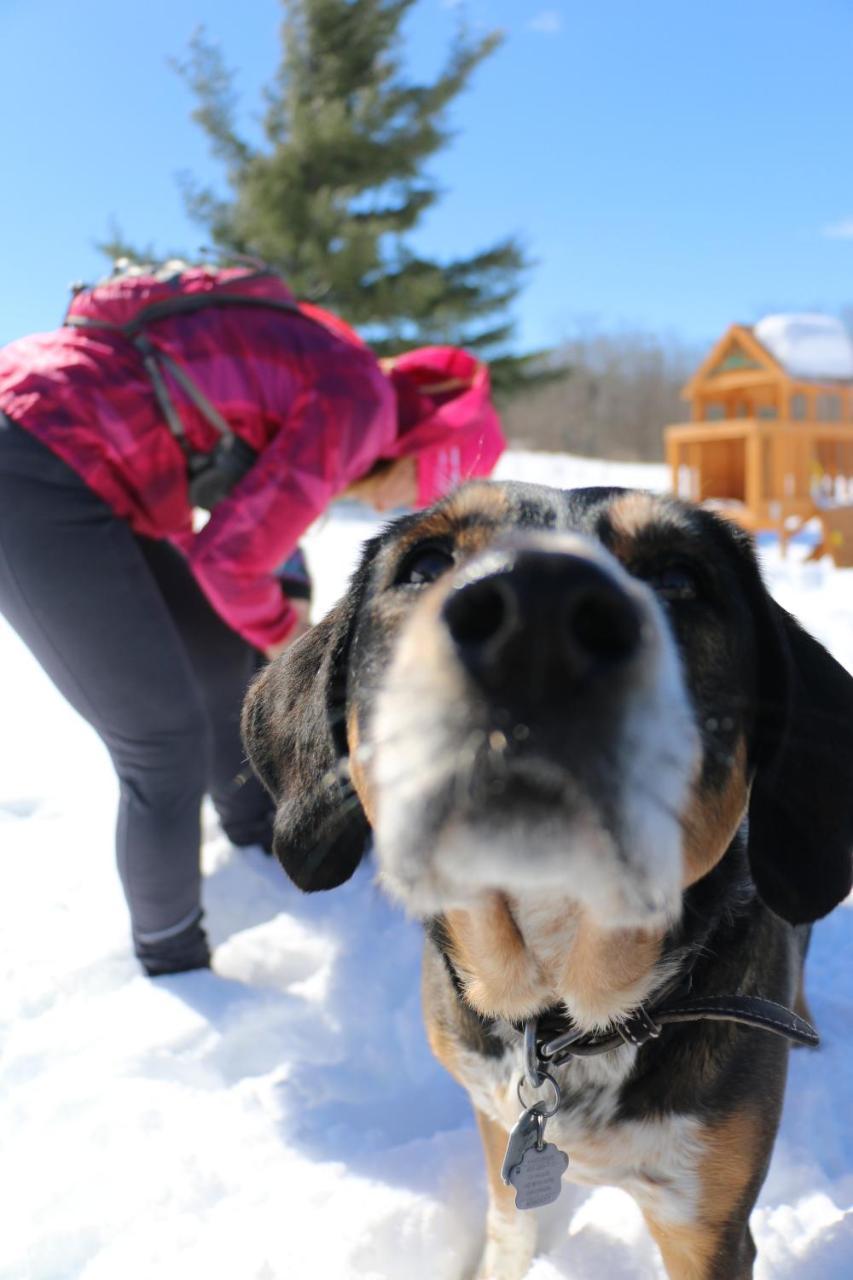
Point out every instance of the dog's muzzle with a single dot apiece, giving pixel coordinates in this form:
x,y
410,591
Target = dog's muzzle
x,y
534,734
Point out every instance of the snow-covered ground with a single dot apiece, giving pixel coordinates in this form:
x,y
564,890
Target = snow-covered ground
x,y
281,1118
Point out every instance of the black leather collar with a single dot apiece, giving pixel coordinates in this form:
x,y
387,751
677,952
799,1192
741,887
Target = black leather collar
x,y
646,1023
557,1039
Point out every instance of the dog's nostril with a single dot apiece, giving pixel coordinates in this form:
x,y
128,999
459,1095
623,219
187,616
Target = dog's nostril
x,y
477,612
602,623
546,618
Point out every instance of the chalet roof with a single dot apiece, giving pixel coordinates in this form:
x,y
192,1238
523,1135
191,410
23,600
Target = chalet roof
x,y
808,346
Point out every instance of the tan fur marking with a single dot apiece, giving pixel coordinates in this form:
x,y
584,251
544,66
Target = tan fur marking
x,y
734,1151
443,1043
501,976
687,1252
494,1140
713,818
598,972
628,516
604,963
486,502
357,772
435,525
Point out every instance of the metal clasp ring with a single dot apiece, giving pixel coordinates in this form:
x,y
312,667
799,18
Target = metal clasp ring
x,y
540,1107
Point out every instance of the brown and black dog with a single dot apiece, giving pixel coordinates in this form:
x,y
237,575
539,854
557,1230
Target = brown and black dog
x,y
602,765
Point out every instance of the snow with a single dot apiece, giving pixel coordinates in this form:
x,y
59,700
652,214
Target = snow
x,y
282,1117
808,345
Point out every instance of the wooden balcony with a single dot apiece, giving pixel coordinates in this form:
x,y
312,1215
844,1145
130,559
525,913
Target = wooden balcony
x,y
761,472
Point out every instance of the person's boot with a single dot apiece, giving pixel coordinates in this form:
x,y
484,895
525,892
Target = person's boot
x,y
178,953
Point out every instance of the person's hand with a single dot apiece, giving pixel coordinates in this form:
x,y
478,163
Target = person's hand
x,y
300,608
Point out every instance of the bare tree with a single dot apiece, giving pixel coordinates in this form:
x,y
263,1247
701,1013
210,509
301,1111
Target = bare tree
x,y
619,391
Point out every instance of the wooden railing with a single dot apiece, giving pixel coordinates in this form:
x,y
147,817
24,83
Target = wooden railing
x,y
763,471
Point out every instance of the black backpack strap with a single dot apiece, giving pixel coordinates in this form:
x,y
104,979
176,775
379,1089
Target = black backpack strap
x,y
161,392
186,304
155,362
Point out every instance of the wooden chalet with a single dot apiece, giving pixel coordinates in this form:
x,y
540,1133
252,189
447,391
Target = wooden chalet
x,y
770,436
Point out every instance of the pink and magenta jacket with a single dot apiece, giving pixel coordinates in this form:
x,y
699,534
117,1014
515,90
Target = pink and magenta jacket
x,y
297,385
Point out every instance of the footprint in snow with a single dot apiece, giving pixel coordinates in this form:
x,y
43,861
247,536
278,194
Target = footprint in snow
x,y
10,810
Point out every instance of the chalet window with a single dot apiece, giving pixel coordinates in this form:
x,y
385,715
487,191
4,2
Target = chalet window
x,y
715,411
799,407
828,407
734,360
767,411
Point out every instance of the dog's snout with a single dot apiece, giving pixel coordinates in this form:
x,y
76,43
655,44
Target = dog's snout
x,y
559,614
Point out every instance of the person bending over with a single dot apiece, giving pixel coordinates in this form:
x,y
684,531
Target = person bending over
x,y
163,391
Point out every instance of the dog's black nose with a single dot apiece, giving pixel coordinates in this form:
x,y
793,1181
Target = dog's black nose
x,y
545,615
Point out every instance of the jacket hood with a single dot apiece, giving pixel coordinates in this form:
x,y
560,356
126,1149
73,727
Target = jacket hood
x,y
445,418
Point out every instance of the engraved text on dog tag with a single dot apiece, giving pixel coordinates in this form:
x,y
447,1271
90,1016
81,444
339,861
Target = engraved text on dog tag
x,y
537,1180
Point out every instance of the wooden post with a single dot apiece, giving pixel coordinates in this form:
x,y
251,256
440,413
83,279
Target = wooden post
x,y
673,457
753,486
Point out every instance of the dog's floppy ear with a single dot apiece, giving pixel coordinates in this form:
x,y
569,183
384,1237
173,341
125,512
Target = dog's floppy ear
x,y
294,729
801,805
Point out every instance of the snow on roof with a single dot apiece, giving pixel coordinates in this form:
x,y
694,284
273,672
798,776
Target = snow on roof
x,y
809,345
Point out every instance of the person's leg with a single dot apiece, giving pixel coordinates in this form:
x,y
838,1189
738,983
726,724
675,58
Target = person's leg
x,y
76,587
224,665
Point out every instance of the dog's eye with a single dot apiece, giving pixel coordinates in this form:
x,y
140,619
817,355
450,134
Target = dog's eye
x,y
424,565
676,582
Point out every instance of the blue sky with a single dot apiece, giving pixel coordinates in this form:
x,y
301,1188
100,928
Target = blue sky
x,y
671,165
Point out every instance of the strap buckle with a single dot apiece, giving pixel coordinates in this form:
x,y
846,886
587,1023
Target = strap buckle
x,y
639,1029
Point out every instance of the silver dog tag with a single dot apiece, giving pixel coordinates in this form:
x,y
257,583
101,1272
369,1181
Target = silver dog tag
x,y
538,1179
524,1135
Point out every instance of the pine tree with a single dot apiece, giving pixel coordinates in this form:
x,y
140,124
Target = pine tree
x,y
340,180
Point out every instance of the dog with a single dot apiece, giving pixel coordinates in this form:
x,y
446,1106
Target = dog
x,y
612,777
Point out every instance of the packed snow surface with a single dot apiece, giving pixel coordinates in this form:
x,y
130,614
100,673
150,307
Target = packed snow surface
x,y
281,1118
808,346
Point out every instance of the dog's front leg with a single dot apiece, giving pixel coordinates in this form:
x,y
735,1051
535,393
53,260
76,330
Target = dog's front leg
x,y
510,1233
702,1252
734,1156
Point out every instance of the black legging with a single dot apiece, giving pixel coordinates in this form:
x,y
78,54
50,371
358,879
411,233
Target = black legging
x,y
120,625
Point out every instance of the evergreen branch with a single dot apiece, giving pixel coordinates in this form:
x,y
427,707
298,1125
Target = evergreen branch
x,y
212,84
340,181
